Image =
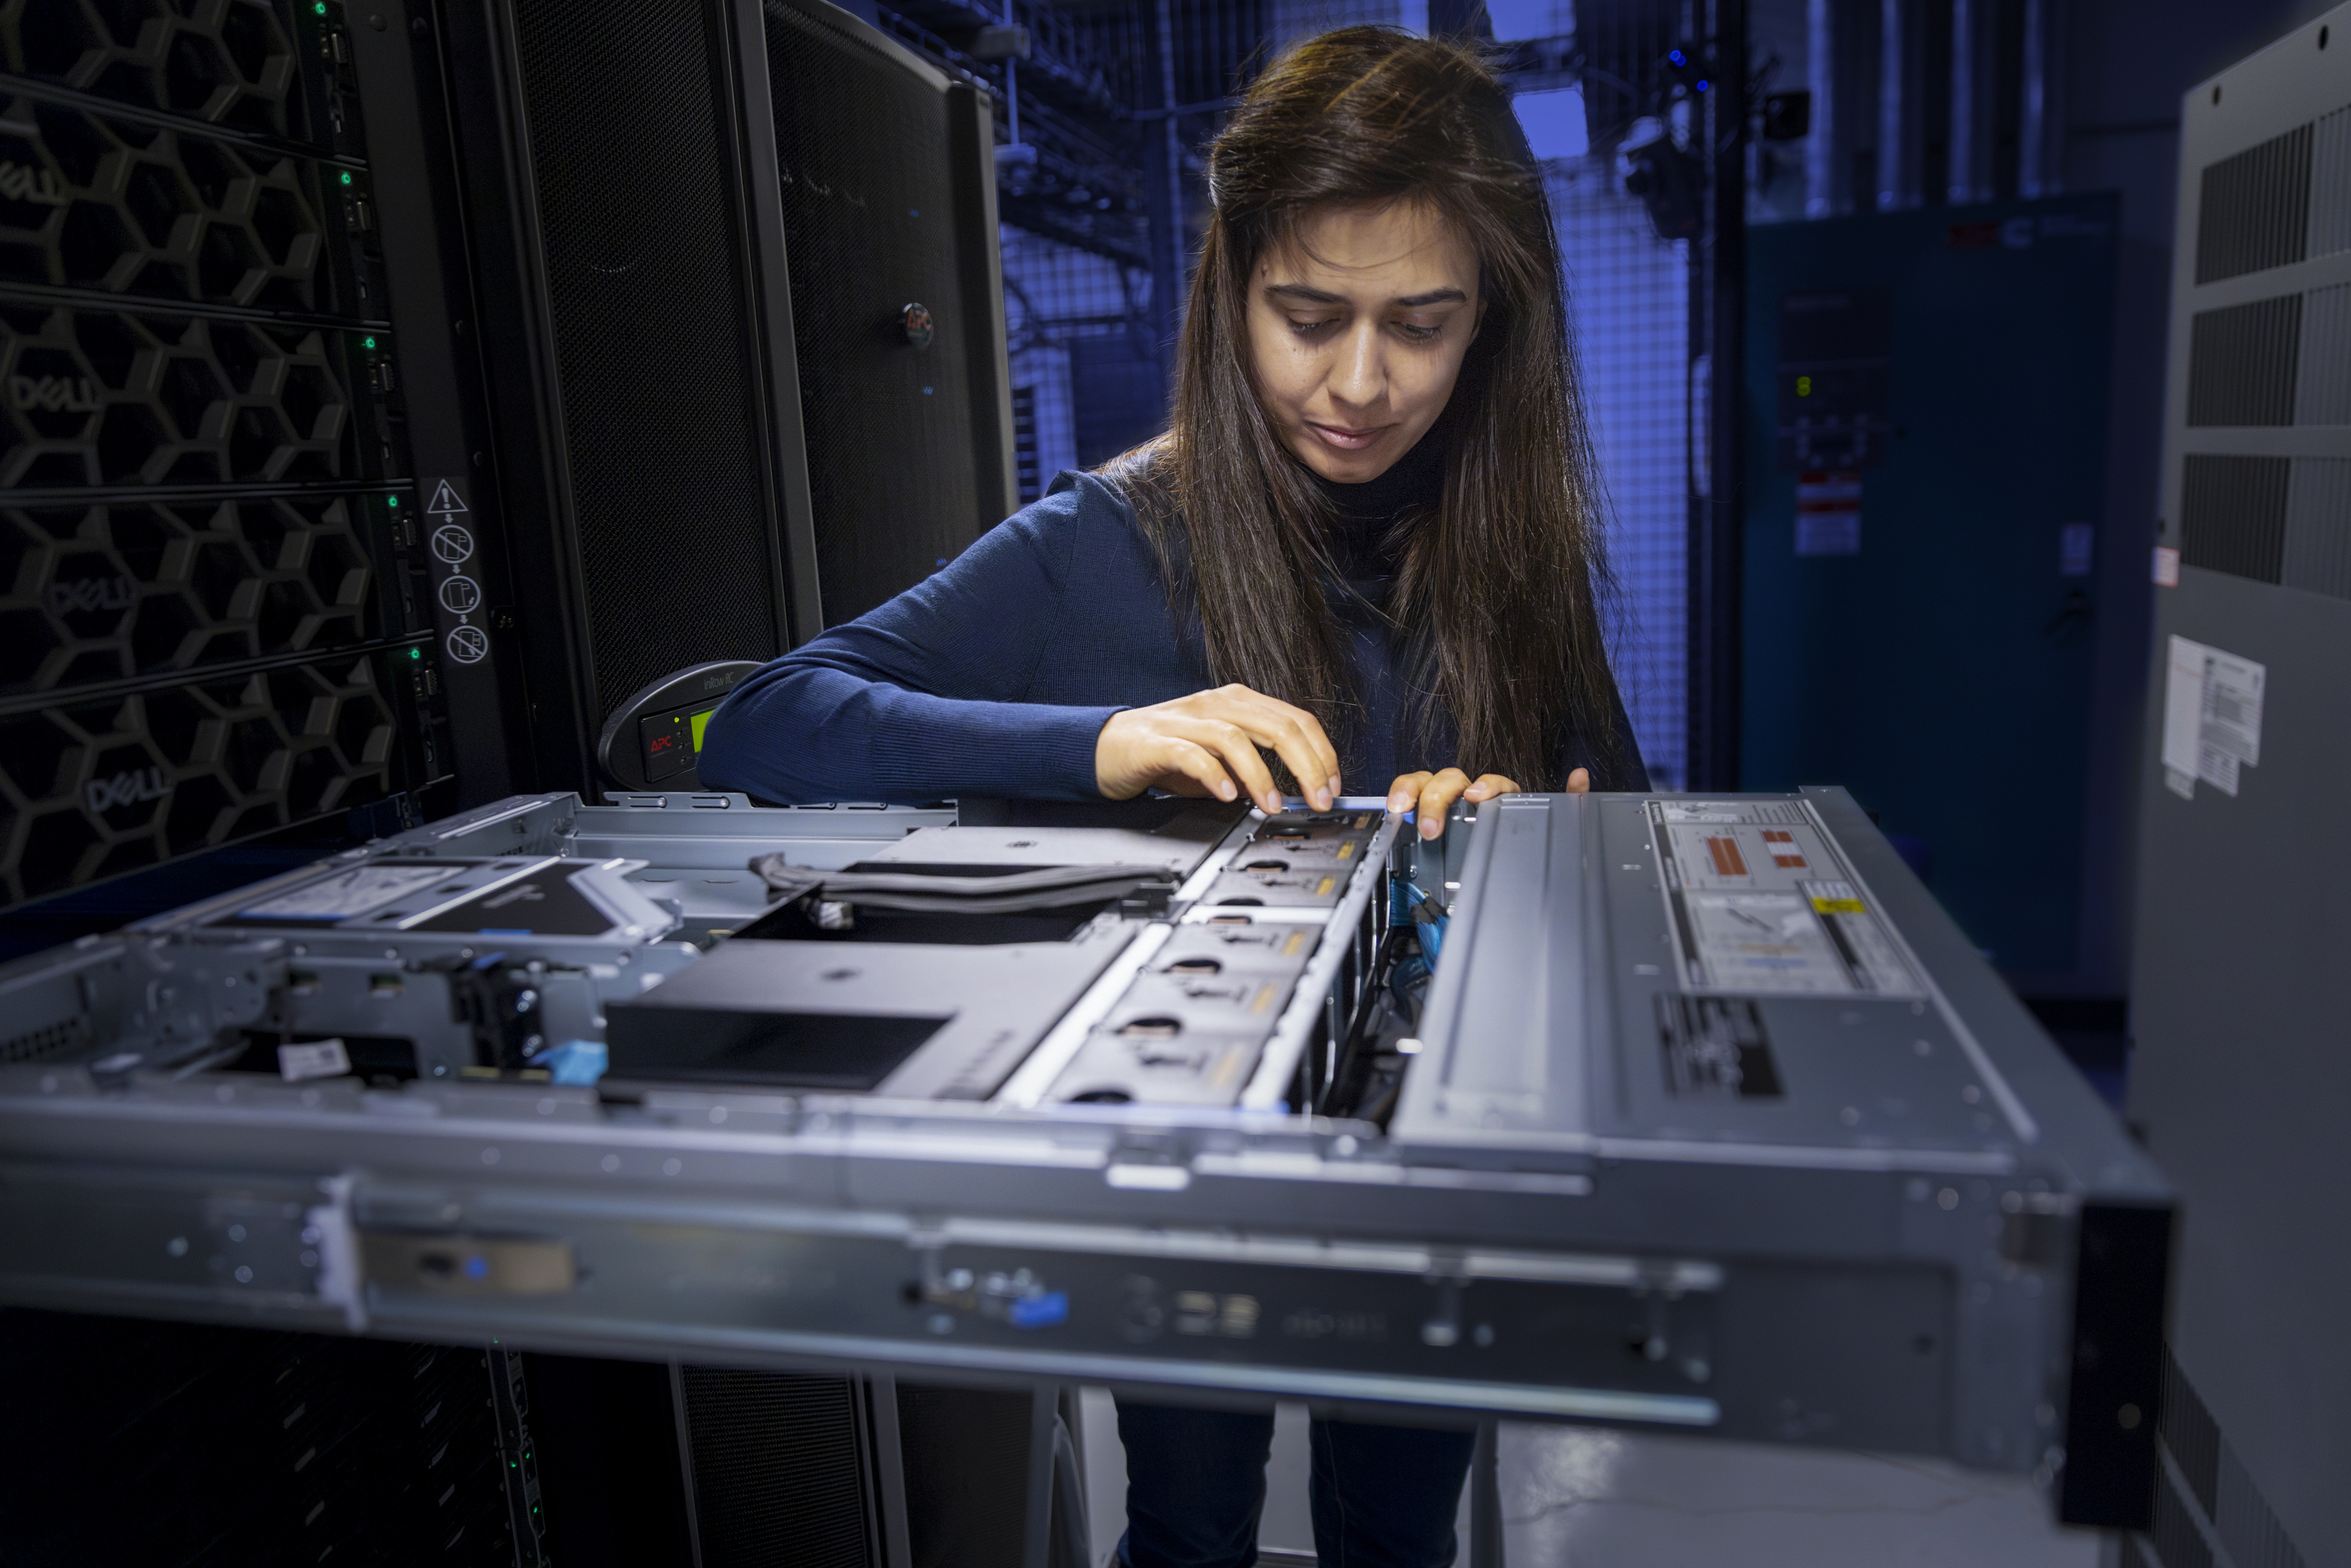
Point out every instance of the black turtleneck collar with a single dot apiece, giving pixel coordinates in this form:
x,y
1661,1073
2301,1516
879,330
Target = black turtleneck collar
x,y
1415,480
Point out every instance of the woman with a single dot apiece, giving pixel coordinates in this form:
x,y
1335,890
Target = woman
x,y
1366,549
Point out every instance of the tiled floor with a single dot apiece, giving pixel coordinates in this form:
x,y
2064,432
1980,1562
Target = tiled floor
x,y
1587,1498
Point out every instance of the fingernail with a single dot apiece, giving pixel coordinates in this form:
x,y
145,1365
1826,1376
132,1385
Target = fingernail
x,y
1223,790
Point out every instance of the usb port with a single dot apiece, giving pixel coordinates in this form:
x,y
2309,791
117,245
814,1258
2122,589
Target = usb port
x,y
341,45
366,218
431,682
383,370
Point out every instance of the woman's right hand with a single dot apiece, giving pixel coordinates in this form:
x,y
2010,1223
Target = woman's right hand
x,y
1207,744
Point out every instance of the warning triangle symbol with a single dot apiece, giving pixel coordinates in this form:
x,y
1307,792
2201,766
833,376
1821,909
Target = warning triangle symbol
x,y
444,501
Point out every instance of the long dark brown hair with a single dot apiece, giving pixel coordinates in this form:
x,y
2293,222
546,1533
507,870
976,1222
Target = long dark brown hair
x,y
1501,590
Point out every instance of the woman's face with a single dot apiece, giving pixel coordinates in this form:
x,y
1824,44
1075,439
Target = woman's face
x,y
1357,332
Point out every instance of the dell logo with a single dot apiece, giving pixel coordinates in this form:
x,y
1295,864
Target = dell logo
x,y
56,393
84,594
127,788
23,185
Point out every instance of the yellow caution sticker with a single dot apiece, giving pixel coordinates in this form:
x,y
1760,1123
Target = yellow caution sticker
x,y
1324,890
1345,850
1296,942
1265,995
1839,906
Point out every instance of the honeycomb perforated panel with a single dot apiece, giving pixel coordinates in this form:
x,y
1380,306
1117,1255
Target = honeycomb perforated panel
x,y
115,592
227,62
95,785
868,167
115,205
121,397
207,578
655,340
244,1447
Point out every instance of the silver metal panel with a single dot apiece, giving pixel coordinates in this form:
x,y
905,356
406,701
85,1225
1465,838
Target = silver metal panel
x,y
1548,1228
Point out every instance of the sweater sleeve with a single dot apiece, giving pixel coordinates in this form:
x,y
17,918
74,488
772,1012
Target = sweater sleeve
x,y
921,698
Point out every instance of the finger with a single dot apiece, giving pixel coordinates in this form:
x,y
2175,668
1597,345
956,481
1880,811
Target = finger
x,y
1177,761
1436,797
1405,790
1580,781
1488,785
1296,736
1233,744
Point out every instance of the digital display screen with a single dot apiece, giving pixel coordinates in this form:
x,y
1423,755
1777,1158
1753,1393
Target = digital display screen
x,y
700,722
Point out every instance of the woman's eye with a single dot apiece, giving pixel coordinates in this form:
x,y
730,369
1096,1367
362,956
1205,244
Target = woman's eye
x,y
1417,333
1311,328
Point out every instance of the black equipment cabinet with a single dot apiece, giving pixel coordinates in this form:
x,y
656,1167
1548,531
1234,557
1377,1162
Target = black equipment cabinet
x,y
211,624
736,396
391,388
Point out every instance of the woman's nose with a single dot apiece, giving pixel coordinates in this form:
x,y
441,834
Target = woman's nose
x,y
1360,375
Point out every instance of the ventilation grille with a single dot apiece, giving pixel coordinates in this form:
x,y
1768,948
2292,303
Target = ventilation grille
x,y
2241,363
119,397
868,162
2317,555
232,64
51,1040
124,590
2330,184
655,341
2233,515
2254,210
120,207
966,1463
2323,396
99,785
777,1481
2219,1504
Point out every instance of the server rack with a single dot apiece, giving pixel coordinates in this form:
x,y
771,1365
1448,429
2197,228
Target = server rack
x,y
2236,1000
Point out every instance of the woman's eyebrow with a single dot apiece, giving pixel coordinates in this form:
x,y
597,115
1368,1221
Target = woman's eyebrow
x,y
1304,295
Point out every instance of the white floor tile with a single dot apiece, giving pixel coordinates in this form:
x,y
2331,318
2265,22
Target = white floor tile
x,y
1573,1497
1581,1497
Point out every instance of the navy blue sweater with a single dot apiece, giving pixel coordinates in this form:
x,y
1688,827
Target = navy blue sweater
x,y
995,675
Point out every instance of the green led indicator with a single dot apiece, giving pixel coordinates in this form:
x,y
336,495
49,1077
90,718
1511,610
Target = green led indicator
x,y
1803,386
321,7
416,652
367,342
347,178
392,500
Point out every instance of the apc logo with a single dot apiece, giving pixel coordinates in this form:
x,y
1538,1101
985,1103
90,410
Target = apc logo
x,y
84,595
131,786
23,185
57,395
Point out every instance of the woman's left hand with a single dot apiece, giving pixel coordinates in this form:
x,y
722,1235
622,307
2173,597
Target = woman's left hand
x,y
1432,794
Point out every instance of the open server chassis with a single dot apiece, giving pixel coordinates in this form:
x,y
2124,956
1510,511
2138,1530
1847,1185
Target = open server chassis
x,y
1777,1157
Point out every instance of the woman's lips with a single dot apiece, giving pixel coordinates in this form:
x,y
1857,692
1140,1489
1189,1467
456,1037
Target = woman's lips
x,y
1346,440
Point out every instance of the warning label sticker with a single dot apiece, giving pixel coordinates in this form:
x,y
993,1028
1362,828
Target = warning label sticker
x,y
1761,900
